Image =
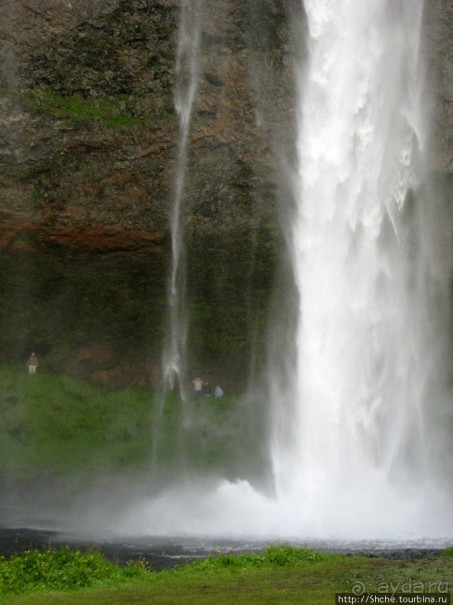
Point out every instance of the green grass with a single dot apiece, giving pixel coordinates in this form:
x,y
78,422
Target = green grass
x,y
104,112
83,112
61,569
53,426
281,574
60,425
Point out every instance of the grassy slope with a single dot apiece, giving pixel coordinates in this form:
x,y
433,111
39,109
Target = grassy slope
x,y
235,580
56,427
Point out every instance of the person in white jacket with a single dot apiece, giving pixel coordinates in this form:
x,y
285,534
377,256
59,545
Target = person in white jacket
x,y
32,363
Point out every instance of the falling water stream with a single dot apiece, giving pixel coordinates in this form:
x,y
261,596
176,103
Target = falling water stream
x,y
368,341
187,62
357,439
174,358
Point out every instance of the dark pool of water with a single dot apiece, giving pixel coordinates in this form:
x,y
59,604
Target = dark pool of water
x,y
161,553
167,552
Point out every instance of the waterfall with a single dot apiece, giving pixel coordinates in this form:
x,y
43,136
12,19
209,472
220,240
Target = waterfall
x,y
357,420
358,377
174,357
187,62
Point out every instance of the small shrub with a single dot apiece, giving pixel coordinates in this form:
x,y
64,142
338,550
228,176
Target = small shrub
x,y
61,569
274,556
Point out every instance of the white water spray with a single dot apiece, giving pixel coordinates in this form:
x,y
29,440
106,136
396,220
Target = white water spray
x,y
187,62
369,352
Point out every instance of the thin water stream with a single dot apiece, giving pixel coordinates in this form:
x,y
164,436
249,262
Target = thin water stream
x,y
187,66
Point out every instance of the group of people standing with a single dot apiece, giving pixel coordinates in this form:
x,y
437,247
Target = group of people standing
x,y
201,387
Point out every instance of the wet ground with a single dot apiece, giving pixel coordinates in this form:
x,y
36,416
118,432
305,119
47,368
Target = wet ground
x,y
167,552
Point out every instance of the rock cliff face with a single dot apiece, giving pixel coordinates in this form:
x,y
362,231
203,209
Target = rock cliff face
x,y
88,146
438,28
88,122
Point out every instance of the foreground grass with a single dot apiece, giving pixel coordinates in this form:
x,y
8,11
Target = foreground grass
x,y
279,575
61,569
